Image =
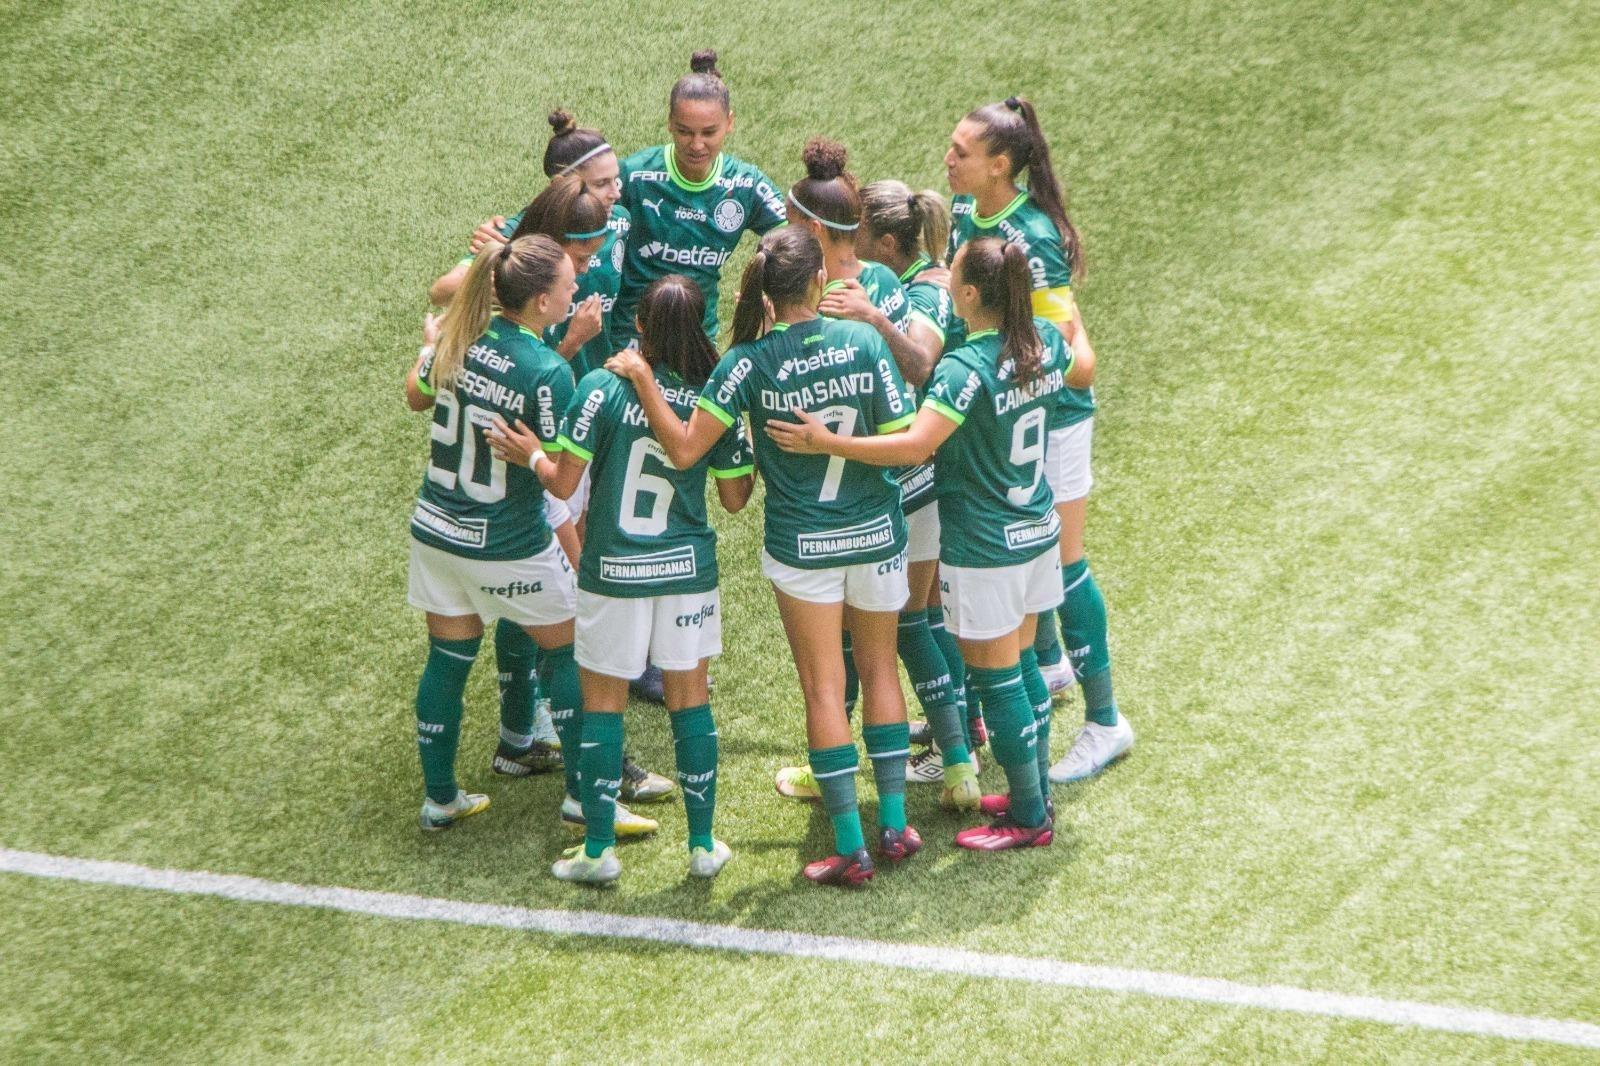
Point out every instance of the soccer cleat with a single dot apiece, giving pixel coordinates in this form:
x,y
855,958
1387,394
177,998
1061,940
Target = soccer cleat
x,y
898,845
641,786
998,804
1096,748
574,865
703,863
650,685
961,791
921,732
926,767
1057,676
797,782
436,816
1003,834
626,824
544,725
848,870
537,758
980,732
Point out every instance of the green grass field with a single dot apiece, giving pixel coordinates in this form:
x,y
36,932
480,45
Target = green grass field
x,y
1345,288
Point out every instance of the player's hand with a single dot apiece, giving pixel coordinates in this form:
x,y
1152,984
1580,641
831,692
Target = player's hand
x,y
806,437
935,275
487,233
430,328
629,364
586,320
848,301
515,444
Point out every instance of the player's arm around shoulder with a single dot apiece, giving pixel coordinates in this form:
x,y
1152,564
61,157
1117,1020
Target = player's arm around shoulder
x,y
419,392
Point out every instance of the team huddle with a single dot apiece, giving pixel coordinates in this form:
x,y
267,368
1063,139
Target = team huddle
x,y
913,383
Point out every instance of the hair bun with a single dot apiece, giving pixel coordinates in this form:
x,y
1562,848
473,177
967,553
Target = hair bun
x,y
561,122
1014,103
705,62
824,159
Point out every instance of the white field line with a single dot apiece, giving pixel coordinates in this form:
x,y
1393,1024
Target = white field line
x,y
807,946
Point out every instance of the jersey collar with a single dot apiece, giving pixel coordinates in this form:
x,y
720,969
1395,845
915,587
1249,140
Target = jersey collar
x,y
1004,213
982,333
684,183
922,263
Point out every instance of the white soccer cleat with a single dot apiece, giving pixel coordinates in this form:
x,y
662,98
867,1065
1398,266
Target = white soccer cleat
x,y
626,824
1057,677
1097,747
703,863
436,816
544,726
926,767
574,865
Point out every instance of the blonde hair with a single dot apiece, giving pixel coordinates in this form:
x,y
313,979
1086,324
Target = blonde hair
x,y
508,275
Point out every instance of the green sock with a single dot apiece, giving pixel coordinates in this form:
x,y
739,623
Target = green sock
x,y
694,742
933,683
558,679
1039,696
444,679
835,770
852,680
1010,721
1047,641
888,747
974,713
952,657
514,656
600,761
1083,625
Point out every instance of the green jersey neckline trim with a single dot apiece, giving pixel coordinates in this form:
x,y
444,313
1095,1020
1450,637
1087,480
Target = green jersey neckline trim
x,y
922,263
684,183
1005,212
982,333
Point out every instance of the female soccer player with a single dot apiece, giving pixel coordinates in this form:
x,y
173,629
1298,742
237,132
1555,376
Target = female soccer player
x,y
690,201
986,413
834,533
647,582
988,150
828,203
481,548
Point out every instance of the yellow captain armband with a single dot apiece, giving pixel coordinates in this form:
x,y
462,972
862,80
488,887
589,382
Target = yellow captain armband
x,y
1056,305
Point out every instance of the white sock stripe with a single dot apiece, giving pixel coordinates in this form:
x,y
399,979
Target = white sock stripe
x,y
455,655
835,773
888,754
1081,579
925,958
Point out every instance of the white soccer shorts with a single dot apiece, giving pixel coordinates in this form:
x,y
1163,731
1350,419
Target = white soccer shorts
x,y
984,602
878,586
618,635
537,591
922,533
1066,461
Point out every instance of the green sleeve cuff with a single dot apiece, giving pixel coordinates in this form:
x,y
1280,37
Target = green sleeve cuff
x,y
918,316
564,444
900,423
944,409
711,408
738,471
423,386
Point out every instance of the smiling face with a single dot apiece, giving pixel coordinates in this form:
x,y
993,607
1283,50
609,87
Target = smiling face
x,y
968,165
602,176
698,128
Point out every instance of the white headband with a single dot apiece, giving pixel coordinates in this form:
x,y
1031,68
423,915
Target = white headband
x,y
585,157
793,199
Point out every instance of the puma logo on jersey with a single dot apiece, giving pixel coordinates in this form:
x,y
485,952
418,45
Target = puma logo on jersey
x,y
654,205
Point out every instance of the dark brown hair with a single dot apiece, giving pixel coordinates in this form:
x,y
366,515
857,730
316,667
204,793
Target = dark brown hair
x,y
569,142
1012,129
828,191
784,266
670,330
564,207
918,221
999,271
703,82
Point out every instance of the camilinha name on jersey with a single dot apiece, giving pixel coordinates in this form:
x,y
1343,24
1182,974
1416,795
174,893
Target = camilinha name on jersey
x,y
995,506
471,503
821,511
689,228
647,533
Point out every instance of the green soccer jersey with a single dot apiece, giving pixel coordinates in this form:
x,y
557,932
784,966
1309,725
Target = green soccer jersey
x,y
689,228
995,507
928,304
821,511
1026,225
472,504
602,277
647,533
883,289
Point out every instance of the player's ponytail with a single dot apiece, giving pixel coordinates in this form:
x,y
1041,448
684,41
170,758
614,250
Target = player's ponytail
x,y
829,194
1012,129
570,145
918,222
999,271
509,275
566,211
670,312
703,82
783,269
